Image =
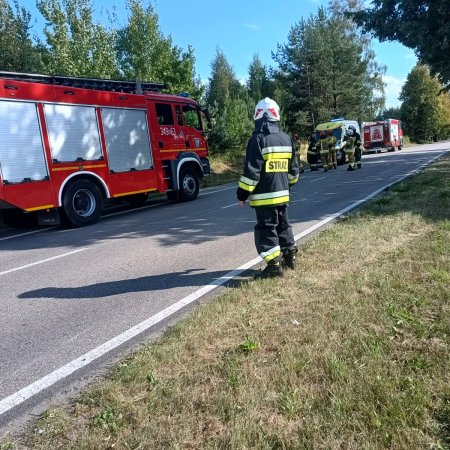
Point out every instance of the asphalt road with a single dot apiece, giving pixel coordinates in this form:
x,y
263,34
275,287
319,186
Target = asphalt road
x,y
72,300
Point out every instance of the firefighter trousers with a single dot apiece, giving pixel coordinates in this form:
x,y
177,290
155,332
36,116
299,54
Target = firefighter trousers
x,y
351,157
325,157
312,158
332,159
358,155
273,232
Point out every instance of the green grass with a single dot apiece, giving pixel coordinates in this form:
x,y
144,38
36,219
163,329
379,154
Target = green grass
x,y
348,351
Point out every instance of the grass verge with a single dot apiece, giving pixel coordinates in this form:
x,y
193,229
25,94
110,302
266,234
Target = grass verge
x,y
224,169
348,351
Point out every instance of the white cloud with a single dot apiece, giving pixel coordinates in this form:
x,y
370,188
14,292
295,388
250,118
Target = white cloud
x,y
251,26
410,55
392,90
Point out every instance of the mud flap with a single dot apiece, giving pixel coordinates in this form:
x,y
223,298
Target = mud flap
x,y
49,217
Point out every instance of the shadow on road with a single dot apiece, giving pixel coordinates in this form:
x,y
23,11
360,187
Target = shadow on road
x,y
185,278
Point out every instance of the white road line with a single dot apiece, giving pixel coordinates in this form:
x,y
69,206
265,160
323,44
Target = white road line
x,y
24,394
43,261
219,190
317,179
23,234
230,206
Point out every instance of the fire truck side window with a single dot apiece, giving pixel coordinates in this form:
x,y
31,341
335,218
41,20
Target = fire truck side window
x,y
22,150
191,118
164,114
179,115
73,132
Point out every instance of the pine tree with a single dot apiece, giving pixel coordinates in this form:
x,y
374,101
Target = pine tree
x,y
230,107
259,84
326,70
223,83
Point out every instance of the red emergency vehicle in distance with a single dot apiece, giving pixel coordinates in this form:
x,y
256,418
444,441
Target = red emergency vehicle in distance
x,y
67,144
383,134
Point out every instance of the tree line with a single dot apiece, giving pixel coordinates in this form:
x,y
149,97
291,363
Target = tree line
x,y
326,68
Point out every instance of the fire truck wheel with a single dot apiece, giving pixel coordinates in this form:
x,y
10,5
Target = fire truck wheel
x,y
82,203
189,185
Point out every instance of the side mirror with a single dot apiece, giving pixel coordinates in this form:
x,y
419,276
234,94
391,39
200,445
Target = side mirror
x,y
205,111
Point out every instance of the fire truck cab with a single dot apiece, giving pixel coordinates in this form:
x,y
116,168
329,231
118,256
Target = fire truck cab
x,y
383,134
67,144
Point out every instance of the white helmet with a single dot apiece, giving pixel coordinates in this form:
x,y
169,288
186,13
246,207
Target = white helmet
x,y
268,109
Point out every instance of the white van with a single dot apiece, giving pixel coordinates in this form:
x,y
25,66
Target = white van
x,y
339,127
347,124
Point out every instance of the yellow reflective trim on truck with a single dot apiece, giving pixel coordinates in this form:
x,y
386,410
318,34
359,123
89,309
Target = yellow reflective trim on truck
x,y
134,192
80,167
37,208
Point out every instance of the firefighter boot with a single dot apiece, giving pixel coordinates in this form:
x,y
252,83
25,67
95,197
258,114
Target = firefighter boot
x,y
289,257
351,168
358,165
272,270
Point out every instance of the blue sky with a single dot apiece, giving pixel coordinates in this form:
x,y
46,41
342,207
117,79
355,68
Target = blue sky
x,y
243,28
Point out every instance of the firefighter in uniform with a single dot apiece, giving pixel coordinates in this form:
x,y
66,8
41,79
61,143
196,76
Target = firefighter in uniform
x,y
270,170
312,153
358,148
353,141
298,146
324,150
350,140
332,150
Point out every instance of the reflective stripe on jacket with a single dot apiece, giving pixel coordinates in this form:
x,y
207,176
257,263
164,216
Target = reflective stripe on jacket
x,y
270,168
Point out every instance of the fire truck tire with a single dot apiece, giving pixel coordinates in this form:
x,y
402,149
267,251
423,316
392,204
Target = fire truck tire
x,y
189,185
82,203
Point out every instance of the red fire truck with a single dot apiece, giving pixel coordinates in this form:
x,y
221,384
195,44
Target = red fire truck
x,y
383,134
67,144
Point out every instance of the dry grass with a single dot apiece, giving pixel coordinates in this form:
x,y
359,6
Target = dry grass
x,y
349,351
224,169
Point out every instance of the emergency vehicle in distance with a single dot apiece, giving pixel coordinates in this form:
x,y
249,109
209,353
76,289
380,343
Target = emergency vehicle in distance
x,y
339,127
67,144
383,134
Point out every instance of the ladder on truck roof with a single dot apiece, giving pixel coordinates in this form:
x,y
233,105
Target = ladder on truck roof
x,y
130,87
